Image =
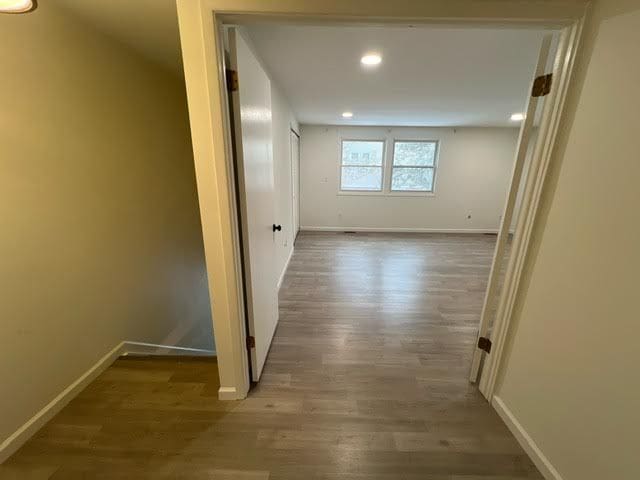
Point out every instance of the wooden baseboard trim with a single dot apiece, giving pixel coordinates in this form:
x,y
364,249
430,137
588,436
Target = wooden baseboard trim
x,y
547,470
9,446
228,393
398,230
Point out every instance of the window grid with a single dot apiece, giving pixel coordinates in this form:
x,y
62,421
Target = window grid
x,y
386,168
427,167
353,164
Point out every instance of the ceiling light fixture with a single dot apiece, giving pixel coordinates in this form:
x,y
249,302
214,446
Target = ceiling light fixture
x,y
347,114
516,117
16,6
371,59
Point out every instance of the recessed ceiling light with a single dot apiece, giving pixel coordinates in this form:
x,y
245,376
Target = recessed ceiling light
x,y
371,59
347,114
516,117
15,6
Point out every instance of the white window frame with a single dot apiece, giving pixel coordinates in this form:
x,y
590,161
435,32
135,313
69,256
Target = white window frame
x,y
382,167
434,167
387,169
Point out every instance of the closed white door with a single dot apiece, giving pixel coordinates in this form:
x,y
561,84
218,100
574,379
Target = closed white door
x,y
254,163
295,182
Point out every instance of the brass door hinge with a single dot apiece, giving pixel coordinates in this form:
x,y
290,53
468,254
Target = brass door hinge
x,y
232,80
251,341
541,85
484,344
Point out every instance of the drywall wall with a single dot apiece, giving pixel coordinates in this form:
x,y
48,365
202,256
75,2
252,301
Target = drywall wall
x,y
569,377
473,173
101,239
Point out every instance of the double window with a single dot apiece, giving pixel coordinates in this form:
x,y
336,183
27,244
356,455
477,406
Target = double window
x,y
411,168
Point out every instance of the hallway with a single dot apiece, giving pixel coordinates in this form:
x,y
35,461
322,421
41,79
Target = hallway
x,y
366,379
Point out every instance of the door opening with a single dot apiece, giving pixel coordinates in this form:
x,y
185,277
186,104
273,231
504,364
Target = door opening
x,y
253,137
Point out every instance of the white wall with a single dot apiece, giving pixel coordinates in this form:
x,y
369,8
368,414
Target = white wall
x,y
571,377
473,173
100,234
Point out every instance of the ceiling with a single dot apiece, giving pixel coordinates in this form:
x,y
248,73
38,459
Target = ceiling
x,y
428,76
431,76
148,26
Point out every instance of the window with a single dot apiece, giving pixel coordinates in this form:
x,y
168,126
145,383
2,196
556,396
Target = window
x,y
362,164
414,166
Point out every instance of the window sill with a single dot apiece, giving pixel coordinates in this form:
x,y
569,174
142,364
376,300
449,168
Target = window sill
x,y
342,193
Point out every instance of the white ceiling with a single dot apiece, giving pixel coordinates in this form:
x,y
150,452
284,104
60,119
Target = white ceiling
x,y
428,77
149,27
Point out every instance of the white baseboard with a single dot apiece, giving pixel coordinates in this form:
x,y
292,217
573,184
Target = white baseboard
x,y
141,348
229,393
284,270
26,431
547,470
9,446
397,230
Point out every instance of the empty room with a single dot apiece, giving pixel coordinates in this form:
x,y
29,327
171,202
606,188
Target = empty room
x,y
394,154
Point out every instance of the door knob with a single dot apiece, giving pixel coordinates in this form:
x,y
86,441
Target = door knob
x,y
277,227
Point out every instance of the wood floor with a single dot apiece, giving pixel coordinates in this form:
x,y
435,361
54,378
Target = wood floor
x,y
366,379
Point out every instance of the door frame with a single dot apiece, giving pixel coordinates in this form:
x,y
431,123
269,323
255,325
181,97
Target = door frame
x,y
295,186
539,164
200,24
492,292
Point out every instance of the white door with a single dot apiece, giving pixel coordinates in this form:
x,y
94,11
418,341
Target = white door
x,y
255,172
295,180
502,252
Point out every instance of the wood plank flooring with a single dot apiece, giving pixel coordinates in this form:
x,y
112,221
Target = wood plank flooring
x,y
366,379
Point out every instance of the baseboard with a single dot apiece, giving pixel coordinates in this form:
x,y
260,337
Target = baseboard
x,y
228,393
284,270
26,431
141,348
20,436
397,230
526,442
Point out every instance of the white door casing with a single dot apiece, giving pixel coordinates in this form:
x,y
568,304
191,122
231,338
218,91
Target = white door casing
x,y
295,182
494,291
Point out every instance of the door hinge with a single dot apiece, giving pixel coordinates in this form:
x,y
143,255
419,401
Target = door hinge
x,y
232,80
541,85
484,344
251,341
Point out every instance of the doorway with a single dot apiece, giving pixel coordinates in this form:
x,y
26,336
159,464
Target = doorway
x,y
566,19
382,167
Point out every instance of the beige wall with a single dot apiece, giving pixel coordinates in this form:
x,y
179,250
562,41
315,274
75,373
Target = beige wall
x,y
571,375
100,237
